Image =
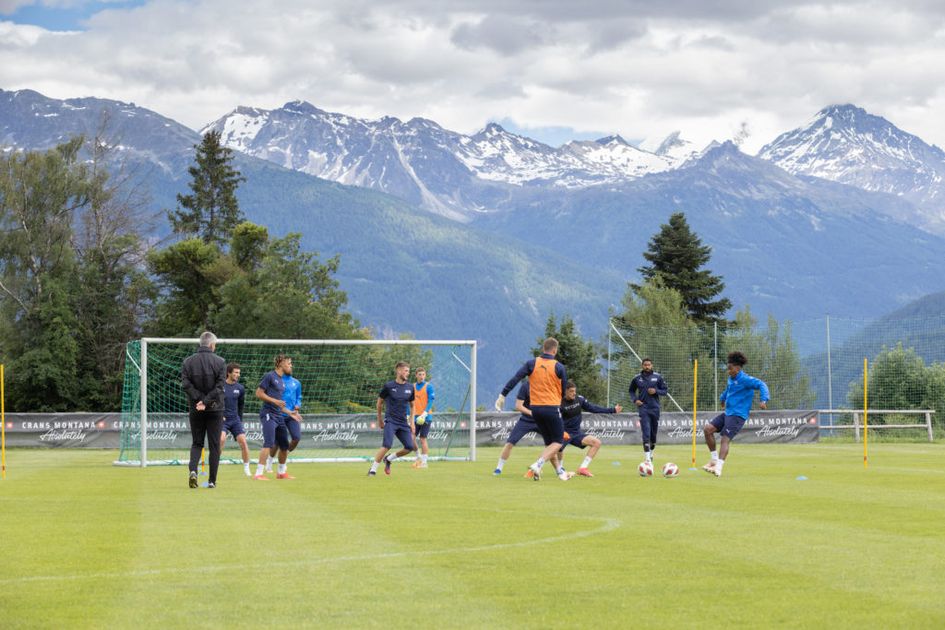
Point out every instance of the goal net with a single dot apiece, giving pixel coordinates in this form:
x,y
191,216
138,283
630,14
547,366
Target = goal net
x,y
340,385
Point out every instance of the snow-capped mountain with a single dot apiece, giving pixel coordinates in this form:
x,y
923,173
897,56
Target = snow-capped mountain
x,y
845,144
420,161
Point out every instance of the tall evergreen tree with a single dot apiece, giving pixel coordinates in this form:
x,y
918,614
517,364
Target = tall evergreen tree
x,y
676,255
211,210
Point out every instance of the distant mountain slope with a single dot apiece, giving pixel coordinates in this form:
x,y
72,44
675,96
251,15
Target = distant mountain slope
x,y
845,144
796,247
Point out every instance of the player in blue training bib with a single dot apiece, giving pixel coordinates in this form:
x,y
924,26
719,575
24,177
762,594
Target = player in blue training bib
x,y
394,417
738,396
234,395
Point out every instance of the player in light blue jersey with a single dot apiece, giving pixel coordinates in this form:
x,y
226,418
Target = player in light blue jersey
x,y
738,396
292,395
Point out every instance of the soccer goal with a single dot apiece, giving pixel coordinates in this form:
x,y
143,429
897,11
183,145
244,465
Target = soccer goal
x,y
340,380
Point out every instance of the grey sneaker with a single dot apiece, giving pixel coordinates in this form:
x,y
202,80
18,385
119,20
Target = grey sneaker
x,y
193,479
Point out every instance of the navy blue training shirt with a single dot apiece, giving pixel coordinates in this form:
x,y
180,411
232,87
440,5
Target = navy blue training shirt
x,y
398,397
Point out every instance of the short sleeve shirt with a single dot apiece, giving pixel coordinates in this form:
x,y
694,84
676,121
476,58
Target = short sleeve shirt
x,y
397,397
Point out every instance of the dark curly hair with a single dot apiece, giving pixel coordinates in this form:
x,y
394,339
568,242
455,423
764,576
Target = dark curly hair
x,y
737,358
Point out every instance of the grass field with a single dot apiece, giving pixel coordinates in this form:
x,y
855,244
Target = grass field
x,y
87,544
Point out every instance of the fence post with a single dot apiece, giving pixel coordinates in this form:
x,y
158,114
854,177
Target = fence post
x,y
609,366
856,426
715,362
928,425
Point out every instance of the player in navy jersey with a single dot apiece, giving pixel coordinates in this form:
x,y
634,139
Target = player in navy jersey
x,y
645,391
394,417
571,408
234,395
272,417
522,427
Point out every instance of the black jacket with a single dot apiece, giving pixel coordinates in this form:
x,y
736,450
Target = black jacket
x,y
203,376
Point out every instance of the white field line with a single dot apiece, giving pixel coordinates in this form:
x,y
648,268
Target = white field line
x,y
608,525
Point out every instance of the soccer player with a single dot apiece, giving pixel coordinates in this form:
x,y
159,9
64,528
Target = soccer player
x,y
272,418
523,426
546,379
571,408
292,395
393,415
234,395
422,405
645,391
738,396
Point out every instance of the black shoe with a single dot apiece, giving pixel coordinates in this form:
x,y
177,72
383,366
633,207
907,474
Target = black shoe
x,y
371,473
193,479
211,485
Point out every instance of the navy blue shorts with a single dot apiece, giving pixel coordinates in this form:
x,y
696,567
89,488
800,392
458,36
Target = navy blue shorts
x,y
234,427
401,432
577,439
274,430
522,427
550,423
423,430
294,427
729,426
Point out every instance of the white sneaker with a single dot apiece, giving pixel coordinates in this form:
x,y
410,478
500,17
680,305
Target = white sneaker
x,y
717,471
536,472
422,465
565,475
710,467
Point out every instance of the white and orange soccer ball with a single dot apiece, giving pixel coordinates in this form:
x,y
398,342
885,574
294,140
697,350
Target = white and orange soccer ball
x,y
670,470
645,469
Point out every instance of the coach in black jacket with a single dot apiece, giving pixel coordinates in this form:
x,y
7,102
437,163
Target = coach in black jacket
x,y
203,376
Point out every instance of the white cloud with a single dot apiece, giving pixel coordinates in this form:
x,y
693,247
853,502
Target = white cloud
x,y
637,68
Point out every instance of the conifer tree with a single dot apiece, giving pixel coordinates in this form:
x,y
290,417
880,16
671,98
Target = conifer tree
x,y
677,256
211,210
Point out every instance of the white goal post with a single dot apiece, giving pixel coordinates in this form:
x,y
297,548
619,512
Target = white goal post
x,y
340,380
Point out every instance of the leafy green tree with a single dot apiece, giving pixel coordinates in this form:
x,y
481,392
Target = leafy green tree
x,y
117,293
190,275
676,255
772,356
40,191
580,357
900,379
211,210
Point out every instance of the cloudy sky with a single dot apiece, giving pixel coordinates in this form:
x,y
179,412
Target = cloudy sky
x,y
553,69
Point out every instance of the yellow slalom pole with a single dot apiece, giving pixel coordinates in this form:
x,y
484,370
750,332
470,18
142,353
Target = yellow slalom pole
x,y
695,389
202,461
866,430
3,427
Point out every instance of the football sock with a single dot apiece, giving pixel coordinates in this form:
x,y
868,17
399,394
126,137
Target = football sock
x,y
501,464
281,469
374,466
246,467
715,456
720,463
392,458
540,462
587,462
423,458
561,470
260,469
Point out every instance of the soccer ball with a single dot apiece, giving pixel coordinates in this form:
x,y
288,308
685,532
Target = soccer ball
x,y
645,469
670,470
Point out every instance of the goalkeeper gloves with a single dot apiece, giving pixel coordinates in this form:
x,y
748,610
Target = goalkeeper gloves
x,y
499,402
422,418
